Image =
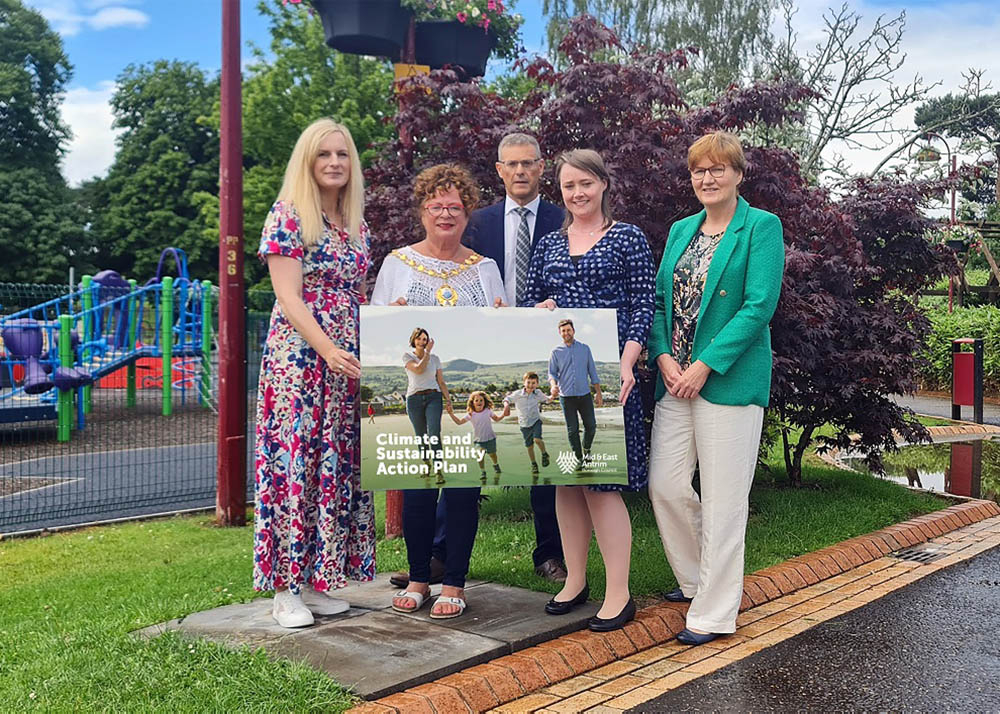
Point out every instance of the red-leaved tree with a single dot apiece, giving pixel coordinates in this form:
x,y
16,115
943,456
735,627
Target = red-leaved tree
x,y
846,333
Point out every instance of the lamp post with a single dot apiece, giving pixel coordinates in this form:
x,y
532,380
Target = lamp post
x,y
929,155
231,471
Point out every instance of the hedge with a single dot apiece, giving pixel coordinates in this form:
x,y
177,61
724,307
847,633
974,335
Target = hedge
x,y
984,322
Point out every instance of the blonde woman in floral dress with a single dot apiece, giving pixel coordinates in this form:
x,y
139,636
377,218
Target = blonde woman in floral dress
x,y
313,525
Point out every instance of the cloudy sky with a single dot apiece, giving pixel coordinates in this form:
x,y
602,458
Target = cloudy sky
x,y
102,37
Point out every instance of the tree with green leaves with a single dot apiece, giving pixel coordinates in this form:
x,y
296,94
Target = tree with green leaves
x,y
977,125
40,231
167,155
731,35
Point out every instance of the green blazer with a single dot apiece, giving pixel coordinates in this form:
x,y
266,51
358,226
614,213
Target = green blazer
x,y
732,336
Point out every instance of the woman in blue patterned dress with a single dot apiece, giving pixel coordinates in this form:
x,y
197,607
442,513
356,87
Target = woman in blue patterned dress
x,y
597,262
313,525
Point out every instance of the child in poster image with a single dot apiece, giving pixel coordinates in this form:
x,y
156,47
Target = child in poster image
x,y
479,413
529,418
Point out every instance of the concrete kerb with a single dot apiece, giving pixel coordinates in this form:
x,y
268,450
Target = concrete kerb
x,y
511,677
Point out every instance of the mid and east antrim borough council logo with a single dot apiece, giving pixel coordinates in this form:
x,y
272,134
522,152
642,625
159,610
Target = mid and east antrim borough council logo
x,y
567,461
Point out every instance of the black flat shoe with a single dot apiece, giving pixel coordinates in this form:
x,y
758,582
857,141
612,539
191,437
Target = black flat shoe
x,y
676,595
556,607
687,637
600,624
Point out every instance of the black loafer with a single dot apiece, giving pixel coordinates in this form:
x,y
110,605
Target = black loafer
x,y
600,624
676,595
556,607
687,637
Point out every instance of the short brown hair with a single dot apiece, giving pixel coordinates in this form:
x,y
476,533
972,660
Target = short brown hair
x,y
441,177
417,331
530,375
567,322
720,146
590,161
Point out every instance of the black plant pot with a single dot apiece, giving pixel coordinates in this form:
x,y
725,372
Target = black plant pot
x,y
364,27
441,42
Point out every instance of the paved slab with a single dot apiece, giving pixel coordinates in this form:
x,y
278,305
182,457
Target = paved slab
x,y
377,651
930,646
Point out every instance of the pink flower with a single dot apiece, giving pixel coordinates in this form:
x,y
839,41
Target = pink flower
x,y
462,17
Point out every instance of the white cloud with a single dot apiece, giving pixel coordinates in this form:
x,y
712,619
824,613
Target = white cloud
x,y
117,17
70,17
92,149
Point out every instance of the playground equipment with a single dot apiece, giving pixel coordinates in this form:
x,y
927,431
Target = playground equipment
x,y
108,325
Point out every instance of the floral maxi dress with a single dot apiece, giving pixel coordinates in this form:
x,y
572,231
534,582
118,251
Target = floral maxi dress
x,y
312,522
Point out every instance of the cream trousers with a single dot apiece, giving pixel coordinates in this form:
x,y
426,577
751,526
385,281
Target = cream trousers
x,y
703,538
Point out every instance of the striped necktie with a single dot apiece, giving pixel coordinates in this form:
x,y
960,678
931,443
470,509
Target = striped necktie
x,y
522,253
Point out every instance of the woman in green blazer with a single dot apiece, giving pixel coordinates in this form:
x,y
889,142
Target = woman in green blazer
x,y
716,290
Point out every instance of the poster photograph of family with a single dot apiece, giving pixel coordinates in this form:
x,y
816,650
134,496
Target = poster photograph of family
x,y
490,397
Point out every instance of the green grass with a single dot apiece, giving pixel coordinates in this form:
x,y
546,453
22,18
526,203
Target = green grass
x,y
68,601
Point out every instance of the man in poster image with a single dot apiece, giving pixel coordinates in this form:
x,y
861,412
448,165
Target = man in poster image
x,y
507,231
572,372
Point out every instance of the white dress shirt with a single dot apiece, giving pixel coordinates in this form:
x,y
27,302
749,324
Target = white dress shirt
x,y
511,221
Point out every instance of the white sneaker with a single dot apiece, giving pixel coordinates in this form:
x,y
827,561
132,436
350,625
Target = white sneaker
x,y
324,603
290,611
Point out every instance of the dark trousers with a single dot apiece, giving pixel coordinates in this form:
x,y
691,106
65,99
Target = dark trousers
x,y
584,407
548,544
419,506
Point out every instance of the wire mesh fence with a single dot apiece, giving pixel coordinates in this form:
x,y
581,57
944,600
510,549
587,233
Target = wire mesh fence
x,y
108,400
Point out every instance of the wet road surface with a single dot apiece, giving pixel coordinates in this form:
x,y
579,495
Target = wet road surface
x,y
933,645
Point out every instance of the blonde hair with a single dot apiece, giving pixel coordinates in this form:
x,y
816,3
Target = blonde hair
x,y
718,146
487,402
590,161
299,187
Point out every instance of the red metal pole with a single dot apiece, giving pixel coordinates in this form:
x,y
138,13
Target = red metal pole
x,y
230,499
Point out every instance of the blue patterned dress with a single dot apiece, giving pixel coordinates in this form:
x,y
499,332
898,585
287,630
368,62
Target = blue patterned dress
x,y
616,273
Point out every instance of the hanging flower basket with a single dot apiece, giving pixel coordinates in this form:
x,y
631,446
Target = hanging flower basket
x,y
364,27
441,43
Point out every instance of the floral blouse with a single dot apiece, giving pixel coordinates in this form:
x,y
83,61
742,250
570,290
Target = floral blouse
x,y
689,284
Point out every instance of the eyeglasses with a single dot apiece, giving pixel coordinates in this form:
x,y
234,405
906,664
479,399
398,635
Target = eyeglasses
x,y
436,209
716,171
525,164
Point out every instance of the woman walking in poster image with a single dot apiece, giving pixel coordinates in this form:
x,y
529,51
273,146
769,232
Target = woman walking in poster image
x,y
479,413
597,262
426,395
313,525
716,290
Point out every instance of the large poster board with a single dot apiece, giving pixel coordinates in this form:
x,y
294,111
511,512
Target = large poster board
x,y
486,353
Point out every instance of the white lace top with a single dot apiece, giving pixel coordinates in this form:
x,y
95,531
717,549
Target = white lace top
x,y
477,286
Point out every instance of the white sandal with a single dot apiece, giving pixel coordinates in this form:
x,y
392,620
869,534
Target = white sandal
x,y
448,601
418,598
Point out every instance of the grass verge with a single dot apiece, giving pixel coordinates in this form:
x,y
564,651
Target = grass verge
x,y
69,600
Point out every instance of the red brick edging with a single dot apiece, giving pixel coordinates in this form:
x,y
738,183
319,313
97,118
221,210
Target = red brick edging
x,y
511,677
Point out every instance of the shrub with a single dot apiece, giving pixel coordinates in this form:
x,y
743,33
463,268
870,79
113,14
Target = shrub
x,y
984,322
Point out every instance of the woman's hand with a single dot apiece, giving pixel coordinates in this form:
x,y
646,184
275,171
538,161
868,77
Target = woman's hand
x,y
549,304
670,371
628,382
343,362
691,381
399,301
